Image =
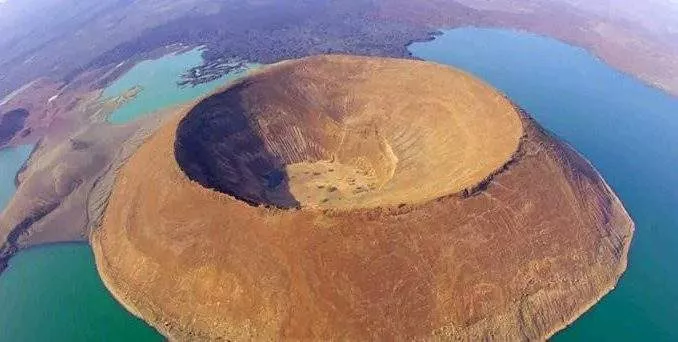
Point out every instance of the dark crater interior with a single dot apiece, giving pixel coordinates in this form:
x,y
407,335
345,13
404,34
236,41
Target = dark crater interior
x,y
218,146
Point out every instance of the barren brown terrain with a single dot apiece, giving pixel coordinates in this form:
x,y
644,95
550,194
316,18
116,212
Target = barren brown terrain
x,y
471,223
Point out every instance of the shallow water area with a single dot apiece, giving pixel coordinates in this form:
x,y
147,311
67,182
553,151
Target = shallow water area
x,y
158,81
626,128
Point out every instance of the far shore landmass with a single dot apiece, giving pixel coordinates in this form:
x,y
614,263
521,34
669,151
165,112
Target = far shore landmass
x,y
640,43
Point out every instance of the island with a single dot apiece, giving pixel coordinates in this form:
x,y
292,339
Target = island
x,y
358,198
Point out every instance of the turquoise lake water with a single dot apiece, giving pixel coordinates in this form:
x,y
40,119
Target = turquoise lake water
x,y
630,133
11,160
158,81
53,293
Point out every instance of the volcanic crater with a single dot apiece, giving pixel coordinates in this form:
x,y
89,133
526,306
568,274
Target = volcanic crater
x,y
375,136
359,198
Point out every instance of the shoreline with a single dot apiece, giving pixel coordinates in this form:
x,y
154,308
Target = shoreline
x,y
621,270
589,51
127,305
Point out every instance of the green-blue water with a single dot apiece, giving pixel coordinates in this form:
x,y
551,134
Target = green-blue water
x,y
158,81
53,293
630,133
11,160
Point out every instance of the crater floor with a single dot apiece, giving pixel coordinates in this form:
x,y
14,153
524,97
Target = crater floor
x,y
359,198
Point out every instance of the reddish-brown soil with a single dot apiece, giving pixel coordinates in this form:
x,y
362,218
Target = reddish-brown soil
x,y
518,255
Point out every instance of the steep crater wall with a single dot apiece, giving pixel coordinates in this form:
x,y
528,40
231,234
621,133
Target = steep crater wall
x,y
342,132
